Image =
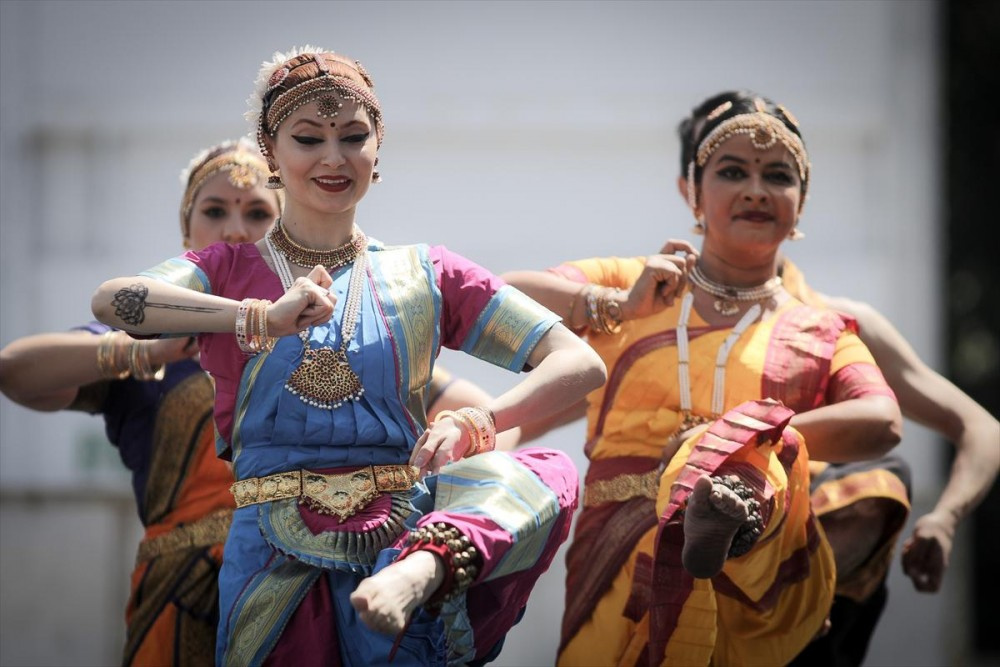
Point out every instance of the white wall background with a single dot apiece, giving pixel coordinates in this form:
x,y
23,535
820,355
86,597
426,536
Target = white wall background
x,y
520,134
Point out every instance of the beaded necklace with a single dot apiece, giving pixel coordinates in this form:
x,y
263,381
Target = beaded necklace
x,y
727,296
307,258
689,420
324,378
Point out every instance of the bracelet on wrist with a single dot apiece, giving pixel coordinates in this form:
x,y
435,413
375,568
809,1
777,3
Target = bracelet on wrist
x,y
480,426
251,327
112,356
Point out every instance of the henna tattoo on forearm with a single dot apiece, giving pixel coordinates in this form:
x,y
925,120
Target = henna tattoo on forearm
x,y
130,305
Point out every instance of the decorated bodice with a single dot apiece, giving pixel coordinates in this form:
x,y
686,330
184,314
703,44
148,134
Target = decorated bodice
x,y
792,356
415,299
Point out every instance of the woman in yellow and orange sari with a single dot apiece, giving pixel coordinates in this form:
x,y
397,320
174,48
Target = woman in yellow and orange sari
x,y
697,543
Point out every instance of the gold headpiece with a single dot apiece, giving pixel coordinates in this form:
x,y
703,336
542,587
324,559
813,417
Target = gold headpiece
x,y
764,130
306,75
246,169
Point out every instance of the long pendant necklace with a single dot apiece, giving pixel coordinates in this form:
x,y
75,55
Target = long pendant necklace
x,y
688,419
324,378
727,297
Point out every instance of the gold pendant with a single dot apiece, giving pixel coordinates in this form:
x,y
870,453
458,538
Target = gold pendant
x,y
726,307
325,379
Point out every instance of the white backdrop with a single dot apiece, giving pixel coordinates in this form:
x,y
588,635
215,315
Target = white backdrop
x,y
519,134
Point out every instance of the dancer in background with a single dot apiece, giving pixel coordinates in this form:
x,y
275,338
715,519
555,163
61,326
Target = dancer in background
x,y
157,407
697,542
864,507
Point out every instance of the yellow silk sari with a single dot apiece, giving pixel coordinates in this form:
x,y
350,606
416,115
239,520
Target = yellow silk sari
x,y
765,606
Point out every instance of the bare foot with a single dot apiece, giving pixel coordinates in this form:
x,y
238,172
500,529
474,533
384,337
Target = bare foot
x,y
714,513
385,600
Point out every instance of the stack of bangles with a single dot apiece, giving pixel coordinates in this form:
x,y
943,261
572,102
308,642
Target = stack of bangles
x,y
604,309
479,423
119,356
251,327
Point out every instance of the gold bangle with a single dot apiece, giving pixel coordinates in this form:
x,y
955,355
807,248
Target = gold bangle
x,y
485,427
610,310
572,304
138,361
107,353
467,425
156,373
242,313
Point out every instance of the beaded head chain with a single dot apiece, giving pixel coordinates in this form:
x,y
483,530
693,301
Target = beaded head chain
x,y
307,75
764,131
245,166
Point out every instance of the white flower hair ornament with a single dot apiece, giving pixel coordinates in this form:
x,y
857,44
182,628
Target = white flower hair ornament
x,y
263,85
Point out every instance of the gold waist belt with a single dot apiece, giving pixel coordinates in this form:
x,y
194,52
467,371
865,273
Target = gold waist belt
x,y
343,494
620,488
210,529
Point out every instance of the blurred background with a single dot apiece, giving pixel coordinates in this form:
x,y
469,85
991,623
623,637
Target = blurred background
x,y
520,134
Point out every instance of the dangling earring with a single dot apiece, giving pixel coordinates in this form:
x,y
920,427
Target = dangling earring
x,y
274,181
187,243
796,235
376,177
699,225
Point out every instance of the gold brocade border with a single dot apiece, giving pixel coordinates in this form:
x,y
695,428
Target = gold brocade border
x,y
179,271
269,602
411,317
210,529
243,393
495,485
620,488
183,424
283,527
509,328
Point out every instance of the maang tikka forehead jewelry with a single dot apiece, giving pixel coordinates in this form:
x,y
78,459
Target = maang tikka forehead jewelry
x,y
763,130
244,169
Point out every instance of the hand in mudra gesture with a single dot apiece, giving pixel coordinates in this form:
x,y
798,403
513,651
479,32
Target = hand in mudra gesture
x,y
663,278
306,303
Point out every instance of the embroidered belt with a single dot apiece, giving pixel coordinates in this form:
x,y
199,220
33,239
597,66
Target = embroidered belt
x,y
620,488
210,529
343,494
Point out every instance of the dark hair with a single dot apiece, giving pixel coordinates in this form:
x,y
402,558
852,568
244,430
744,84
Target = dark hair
x,y
693,129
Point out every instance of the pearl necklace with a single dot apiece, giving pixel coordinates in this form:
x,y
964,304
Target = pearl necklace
x,y
324,378
688,419
727,295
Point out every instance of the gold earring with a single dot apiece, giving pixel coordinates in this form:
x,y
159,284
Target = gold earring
x,y
699,225
796,235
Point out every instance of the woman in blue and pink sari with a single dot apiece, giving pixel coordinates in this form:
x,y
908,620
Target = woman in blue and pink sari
x,y
322,342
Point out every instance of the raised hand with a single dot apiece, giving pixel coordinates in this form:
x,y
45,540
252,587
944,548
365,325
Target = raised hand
x,y
307,302
663,278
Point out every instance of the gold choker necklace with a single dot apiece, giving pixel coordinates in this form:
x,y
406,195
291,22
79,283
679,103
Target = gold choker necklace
x,y
727,296
307,258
